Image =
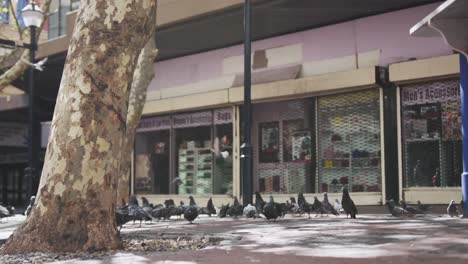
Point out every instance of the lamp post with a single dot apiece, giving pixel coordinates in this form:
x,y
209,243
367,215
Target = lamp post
x,y
32,17
246,147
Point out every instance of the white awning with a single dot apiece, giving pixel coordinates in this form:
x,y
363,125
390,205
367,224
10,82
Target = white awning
x,y
449,20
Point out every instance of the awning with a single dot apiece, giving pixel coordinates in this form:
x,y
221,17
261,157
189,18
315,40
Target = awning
x,y
449,20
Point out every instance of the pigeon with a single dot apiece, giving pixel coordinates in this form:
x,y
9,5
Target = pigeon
x,y
147,208
236,209
209,209
259,203
122,217
337,206
396,210
271,210
304,205
223,211
30,206
328,206
348,204
162,212
135,211
452,209
191,211
38,65
4,212
410,209
318,207
250,211
424,207
295,207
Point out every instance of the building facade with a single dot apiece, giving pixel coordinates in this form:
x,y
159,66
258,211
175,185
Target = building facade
x,y
358,104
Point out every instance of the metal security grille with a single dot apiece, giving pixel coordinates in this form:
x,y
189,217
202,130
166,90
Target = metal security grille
x,y
285,146
349,142
431,134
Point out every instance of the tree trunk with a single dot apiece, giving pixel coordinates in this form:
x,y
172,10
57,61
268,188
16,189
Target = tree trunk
x,y
19,67
142,77
75,205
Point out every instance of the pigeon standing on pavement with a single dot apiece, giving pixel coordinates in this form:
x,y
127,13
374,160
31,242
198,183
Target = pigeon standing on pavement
x,y
191,212
348,204
250,211
424,207
135,211
271,210
236,209
318,207
223,211
259,203
328,206
337,206
4,212
304,205
452,209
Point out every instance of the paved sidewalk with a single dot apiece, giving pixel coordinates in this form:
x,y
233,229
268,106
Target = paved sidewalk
x,y
372,238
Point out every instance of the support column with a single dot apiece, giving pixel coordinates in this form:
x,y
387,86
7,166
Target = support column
x,y
464,109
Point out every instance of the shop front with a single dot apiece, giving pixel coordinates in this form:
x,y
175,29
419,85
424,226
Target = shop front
x,y
320,144
185,154
431,137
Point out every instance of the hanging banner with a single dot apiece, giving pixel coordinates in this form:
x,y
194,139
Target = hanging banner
x,y
223,116
193,119
154,124
13,134
430,93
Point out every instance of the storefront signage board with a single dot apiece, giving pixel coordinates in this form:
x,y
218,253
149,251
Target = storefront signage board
x,y
13,134
154,124
429,94
193,119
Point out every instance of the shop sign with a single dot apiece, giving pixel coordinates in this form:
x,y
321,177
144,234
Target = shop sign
x,y
154,124
430,93
13,134
223,116
193,119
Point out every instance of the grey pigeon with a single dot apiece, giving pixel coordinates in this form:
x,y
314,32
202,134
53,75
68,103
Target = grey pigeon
x,y
147,208
30,206
328,206
318,207
452,209
396,210
338,206
348,204
4,212
250,211
410,209
135,211
223,211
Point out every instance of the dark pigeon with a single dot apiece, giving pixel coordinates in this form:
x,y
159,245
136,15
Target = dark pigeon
x,y
410,209
223,211
209,209
147,208
191,211
318,207
328,206
4,212
424,207
348,204
135,211
259,203
304,205
452,209
236,209
271,210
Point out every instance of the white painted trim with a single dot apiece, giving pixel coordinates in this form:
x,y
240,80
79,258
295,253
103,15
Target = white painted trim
x,y
132,173
432,195
382,145
236,151
400,149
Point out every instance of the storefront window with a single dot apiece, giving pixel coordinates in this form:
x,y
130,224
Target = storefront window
x,y
431,128
284,145
349,142
185,154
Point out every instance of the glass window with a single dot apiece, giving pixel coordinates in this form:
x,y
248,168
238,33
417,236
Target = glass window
x,y
349,142
431,128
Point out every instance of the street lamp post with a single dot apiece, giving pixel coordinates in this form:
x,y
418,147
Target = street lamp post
x,y
246,147
32,17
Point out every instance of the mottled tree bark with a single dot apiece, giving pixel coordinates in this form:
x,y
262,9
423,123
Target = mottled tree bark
x,y
142,77
20,55
75,205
